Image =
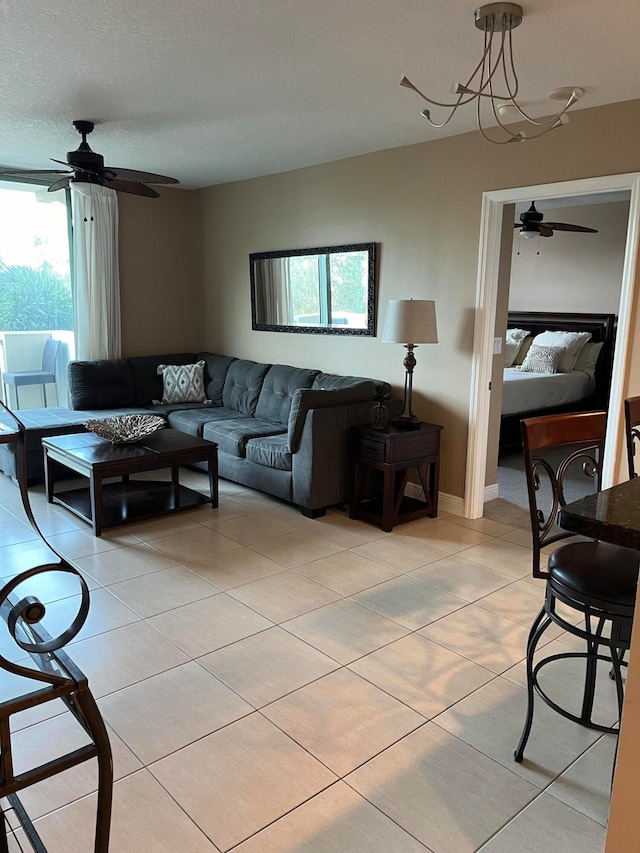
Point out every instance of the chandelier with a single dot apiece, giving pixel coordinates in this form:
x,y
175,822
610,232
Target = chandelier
x,y
497,66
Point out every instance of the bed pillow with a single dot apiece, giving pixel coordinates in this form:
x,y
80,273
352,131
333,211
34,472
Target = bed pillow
x,y
510,353
182,383
542,359
587,358
513,341
525,346
515,336
570,342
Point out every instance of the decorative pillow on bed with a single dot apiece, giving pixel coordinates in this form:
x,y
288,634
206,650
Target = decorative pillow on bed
x,y
542,359
587,358
182,383
570,342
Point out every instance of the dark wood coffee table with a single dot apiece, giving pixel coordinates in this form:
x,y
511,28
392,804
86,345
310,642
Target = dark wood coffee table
x,y
107,504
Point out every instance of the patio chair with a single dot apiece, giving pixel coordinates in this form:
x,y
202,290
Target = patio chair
x,y
45,376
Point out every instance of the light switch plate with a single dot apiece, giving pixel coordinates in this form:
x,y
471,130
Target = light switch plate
x,y
497,346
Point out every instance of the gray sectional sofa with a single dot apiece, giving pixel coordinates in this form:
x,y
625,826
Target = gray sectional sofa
x,y
280,429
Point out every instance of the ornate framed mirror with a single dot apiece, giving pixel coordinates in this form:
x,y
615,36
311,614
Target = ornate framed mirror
x,y
329,290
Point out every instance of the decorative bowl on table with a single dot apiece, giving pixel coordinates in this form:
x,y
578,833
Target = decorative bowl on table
x,y
125,429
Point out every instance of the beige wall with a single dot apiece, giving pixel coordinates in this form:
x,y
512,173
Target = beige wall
x,y
161,273
573,272
422,204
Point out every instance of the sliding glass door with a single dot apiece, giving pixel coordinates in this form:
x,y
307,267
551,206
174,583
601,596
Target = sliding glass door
x,y
36,301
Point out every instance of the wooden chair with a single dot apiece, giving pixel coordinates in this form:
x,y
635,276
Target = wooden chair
x,y
594,579
50,675
632,429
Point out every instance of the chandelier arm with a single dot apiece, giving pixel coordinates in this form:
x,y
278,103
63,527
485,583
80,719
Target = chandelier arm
x,y
426,114
491,72
459,102
511,136
539,123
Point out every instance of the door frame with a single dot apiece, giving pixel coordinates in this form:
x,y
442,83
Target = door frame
x,y
485,312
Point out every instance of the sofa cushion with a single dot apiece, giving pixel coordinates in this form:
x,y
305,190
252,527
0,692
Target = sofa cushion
x,y
193,420
183,383
147,383
278,388
215,373
232,436
306,398
271,451
243,385
332,382
103,384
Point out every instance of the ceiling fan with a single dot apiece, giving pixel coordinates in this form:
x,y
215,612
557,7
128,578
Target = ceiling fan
x,y
531,224
87,167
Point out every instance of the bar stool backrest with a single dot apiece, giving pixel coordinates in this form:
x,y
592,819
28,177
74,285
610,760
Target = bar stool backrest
x,y
632,429
553,445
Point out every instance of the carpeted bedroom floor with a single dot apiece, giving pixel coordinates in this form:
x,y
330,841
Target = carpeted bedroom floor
x,y
512,507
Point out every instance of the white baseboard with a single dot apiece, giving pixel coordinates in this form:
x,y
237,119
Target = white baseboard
x,y
490,493
447,503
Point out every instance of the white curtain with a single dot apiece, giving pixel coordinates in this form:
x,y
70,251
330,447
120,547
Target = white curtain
x,y
94,211
275,293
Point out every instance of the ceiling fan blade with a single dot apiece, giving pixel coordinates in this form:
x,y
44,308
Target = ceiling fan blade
x,y
27,172
73,168
131,187
544,230
134,175
564,226
62,184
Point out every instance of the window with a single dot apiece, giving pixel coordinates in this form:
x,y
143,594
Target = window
x,y
36,301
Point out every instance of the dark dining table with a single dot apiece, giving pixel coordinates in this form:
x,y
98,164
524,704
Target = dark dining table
x,y
612,515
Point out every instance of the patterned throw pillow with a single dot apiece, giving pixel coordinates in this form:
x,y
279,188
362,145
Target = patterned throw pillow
x,y
542,359
183,383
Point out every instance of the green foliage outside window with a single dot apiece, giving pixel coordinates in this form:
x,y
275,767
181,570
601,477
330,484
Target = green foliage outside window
x,y
34,299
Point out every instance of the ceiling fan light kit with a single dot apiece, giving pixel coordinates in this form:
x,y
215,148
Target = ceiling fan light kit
x,y
87,168
497,64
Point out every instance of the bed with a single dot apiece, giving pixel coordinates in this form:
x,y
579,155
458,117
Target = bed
x,y
530,394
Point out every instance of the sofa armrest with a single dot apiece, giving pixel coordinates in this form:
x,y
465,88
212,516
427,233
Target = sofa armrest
x,y
321,466
305,400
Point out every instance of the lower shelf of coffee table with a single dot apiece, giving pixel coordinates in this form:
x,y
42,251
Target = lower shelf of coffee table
x,y
134,500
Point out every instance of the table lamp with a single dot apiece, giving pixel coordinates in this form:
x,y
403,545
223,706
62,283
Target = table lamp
x,y
410,322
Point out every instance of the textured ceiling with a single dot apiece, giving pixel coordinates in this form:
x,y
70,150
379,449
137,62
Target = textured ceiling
x,y
211,91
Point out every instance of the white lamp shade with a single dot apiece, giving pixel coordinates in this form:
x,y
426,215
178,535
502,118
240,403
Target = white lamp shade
x,y
411,321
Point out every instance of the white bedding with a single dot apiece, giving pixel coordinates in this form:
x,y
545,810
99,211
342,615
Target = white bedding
x,y
526,392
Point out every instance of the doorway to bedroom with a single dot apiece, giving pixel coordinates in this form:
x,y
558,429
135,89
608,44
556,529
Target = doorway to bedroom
x,y
571,281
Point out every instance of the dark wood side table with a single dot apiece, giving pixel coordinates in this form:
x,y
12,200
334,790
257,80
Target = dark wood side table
x,y
395,452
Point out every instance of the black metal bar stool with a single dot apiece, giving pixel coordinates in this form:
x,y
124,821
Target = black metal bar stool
x,y
594,579
53,675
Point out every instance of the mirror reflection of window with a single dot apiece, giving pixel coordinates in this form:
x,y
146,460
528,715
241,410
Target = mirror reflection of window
x,y
322,290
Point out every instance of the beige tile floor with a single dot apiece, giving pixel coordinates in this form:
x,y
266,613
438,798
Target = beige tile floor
x,y
274,684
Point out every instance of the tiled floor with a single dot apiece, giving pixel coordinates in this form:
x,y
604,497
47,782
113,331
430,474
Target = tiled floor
x,y
274,684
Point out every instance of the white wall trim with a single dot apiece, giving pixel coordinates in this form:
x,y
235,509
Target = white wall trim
x,y
447,503
486,297
491,493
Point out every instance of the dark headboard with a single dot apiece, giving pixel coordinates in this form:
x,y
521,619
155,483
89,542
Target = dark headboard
x,y
601,326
